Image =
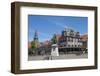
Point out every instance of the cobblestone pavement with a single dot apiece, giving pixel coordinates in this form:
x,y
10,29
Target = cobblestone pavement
x,y
65,56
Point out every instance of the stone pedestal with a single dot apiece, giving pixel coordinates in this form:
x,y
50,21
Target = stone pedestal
x,y
54,50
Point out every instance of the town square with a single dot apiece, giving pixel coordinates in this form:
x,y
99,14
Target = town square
x,y
68,43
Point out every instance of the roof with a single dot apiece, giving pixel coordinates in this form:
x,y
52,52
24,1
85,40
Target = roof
x,y
84,37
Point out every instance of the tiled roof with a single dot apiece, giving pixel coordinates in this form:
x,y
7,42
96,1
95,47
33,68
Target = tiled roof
x,y
84,37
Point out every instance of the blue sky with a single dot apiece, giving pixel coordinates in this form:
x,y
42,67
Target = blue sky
x,y
47,26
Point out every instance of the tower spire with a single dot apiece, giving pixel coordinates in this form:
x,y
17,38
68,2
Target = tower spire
x,y
36,35
36,38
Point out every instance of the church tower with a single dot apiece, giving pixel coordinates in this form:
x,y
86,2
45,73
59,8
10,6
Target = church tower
x,y
36,39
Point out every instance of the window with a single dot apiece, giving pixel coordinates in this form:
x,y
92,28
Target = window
x,y
72,39
68,45
64,45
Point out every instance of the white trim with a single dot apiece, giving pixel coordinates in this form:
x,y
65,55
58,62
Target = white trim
x,y
25,64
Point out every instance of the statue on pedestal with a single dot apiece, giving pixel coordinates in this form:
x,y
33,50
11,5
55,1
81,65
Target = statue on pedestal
x,y
54,50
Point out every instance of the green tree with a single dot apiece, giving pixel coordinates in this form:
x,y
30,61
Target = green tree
x,y
33,46
54,39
